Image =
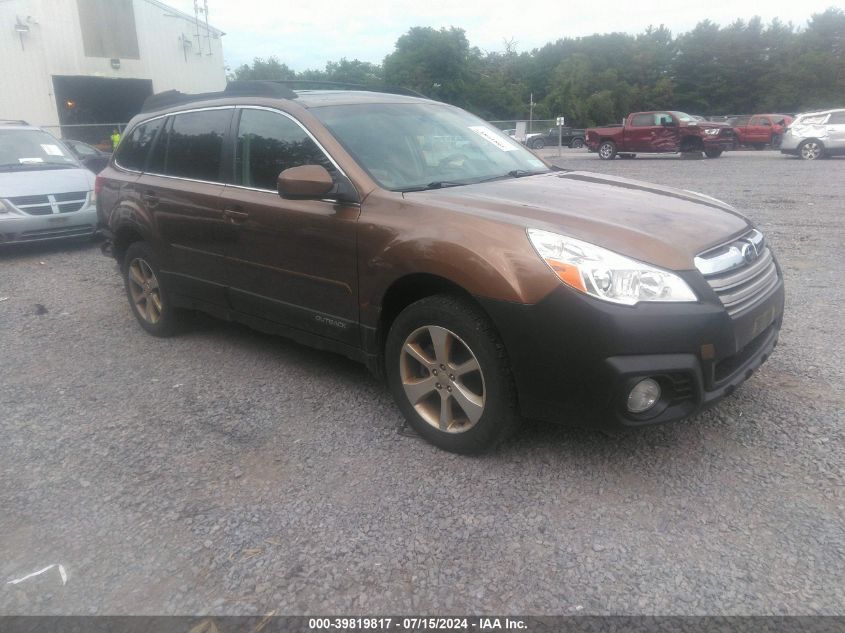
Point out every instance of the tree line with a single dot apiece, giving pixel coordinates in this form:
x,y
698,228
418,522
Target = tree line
x,y
741,68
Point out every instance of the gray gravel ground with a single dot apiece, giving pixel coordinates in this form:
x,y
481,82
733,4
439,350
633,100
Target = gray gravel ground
x,y
225,471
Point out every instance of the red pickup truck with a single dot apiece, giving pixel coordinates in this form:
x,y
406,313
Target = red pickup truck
x,y
761,129
660,132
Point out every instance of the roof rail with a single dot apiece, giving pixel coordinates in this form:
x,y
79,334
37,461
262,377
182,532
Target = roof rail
x,y
13,122
396,90
233,89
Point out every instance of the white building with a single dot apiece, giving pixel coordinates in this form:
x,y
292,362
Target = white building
x,y
95,61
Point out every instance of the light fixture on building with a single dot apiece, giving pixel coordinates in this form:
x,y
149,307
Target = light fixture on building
x,y
22,28
115,63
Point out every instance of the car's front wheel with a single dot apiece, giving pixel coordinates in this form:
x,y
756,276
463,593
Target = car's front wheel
x,y
538,143
712,153
448,371
811,150
147,294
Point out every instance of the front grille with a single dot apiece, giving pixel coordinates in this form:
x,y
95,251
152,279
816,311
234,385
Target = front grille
x,y
51,203
741,273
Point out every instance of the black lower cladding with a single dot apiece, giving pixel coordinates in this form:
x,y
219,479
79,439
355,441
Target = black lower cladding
x,y
575,358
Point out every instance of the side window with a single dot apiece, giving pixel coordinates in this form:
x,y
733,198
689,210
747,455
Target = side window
x,y
662,118
755,120
132,151
837,118
195,143
268,143
765,122
643,120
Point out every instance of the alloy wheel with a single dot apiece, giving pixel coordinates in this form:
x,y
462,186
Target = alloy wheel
x,y
145,291
606,150
811,150
442,379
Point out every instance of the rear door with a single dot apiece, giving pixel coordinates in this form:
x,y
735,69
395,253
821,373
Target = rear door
x,y
292,261
638,133
181,189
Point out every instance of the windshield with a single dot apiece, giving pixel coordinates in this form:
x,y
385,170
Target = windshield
x,y
32,149
411,146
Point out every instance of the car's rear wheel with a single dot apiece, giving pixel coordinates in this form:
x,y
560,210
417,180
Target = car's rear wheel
x,y
577,143
811,150
538,143
713,153
449,373
147,294
607,150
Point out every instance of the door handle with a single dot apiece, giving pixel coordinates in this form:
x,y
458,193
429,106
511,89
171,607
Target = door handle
x,y
235,216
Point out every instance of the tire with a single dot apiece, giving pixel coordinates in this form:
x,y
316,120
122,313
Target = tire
x,y
577,143
811,149
538,143
712,153
776,140
416,372
607,150
147,295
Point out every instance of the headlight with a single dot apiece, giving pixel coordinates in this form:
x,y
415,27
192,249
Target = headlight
x,y
607,275
712,131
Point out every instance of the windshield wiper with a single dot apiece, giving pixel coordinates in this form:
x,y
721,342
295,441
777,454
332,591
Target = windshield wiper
x,y
437,184
37,166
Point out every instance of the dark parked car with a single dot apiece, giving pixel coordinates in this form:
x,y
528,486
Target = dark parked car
x,y
569,137
91,157
418,239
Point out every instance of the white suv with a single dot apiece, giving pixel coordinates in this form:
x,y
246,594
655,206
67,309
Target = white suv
x,y
815,135
45,193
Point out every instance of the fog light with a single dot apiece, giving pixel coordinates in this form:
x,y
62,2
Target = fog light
x,y
643,396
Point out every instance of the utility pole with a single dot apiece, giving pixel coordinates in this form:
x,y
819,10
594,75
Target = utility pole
x,y
531,113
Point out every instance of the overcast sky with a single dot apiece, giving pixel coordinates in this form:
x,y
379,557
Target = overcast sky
x,y
308,34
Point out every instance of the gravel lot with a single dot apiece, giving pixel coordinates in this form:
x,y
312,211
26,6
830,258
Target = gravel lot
x,y
225,471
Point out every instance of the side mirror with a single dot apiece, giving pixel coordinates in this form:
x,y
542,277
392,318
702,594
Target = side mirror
x,y
305,181
314,182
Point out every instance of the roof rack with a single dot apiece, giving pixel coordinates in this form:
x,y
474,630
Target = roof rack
x,y
233,89
396,90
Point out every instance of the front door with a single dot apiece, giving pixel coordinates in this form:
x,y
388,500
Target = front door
x,y
293,261
836,132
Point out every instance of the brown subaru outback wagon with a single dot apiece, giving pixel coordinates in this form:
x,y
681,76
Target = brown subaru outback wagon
x,y
481,283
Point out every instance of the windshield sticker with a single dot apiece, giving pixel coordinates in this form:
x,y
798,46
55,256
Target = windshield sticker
x,y
499,142
30,161
52,150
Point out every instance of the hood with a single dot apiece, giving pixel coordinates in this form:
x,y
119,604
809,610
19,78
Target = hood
x,y
33,183
660,225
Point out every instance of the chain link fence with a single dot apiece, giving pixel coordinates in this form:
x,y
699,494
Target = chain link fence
x,y
97,134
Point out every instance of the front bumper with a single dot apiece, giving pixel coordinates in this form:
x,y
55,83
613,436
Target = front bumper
x,y
18,227
575,358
